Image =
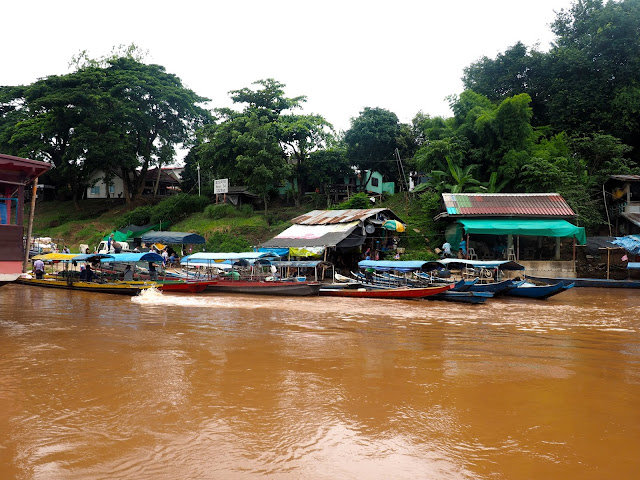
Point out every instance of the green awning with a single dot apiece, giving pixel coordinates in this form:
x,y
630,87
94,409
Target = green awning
x,y
534,227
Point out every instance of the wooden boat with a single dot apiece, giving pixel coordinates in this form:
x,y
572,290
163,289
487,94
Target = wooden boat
x,y
497,288
462,297
119,288
183,286
257,287
399,293
539,292
587,282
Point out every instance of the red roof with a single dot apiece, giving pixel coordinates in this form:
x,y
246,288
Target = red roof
x,y
539,205
20,171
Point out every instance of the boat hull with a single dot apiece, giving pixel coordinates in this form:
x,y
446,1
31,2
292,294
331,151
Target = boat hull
x,y
462,297
184,287
402,292
112,288
496,288
538,292
295,289
588,282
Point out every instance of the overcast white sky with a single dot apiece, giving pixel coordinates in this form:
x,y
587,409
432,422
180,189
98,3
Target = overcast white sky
x,y
403,55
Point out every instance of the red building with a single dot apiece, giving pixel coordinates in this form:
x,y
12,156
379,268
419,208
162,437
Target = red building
x,y
15,174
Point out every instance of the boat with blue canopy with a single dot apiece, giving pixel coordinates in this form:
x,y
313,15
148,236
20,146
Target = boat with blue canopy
x,y
247,272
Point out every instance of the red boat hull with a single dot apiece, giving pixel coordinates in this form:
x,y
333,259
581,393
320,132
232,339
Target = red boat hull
x,y
404,292
295,289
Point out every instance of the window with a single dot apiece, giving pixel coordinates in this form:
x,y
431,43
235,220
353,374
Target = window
x,y
95,190
374,181
112,189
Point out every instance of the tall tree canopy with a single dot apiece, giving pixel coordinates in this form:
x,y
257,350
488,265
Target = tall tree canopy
x,y
119,116
264,143
372,140
588,83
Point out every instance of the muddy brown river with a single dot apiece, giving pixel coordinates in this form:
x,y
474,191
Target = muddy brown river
x,y
94,386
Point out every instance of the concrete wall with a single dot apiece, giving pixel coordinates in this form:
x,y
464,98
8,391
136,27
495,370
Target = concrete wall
x,y
544,268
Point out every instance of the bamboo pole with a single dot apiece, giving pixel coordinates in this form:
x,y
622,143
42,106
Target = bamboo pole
x,y
34,190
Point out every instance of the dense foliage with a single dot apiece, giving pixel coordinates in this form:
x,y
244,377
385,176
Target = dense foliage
x,y
171,209
117,115
528,121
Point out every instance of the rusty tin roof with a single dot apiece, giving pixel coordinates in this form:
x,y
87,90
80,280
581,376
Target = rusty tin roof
x,y
538,205
327,217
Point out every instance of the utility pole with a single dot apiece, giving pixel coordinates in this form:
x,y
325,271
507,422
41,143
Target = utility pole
x,y
198,178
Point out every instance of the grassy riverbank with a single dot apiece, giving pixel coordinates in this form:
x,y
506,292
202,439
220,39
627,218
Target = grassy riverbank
x,y
96,218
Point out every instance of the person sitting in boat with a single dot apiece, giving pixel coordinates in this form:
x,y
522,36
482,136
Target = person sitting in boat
x,y
128,274
86,274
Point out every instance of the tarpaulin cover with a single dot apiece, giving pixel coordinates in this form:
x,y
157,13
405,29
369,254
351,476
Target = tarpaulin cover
x,y
534,227
281,252
631,243
119,236
326,235
172,237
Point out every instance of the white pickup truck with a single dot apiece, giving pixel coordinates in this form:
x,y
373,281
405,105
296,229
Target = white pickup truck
x,y
102,247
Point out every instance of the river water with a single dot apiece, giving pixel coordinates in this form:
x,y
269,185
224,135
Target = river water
x,y
94,386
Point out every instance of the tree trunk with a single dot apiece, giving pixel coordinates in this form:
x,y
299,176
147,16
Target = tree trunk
x,y
155,187
125,186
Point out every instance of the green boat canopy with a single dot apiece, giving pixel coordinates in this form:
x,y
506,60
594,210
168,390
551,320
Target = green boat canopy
x,y
534,227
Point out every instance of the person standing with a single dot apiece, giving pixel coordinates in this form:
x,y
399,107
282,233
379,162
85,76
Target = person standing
x,y
128,274
38,267
446,250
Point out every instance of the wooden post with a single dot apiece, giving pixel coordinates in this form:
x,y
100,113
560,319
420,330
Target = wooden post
x,y
518,248
574,254
34,190
466,254
608,261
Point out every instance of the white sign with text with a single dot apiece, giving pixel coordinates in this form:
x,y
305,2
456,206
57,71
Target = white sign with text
x,y
221,186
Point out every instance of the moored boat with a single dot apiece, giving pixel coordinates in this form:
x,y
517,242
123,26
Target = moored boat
x,y
399,292
587,282
540,292
294,289
119,288
254,273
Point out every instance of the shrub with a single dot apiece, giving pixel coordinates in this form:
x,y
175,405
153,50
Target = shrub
x,y
138,216
216,212
359,200
226,242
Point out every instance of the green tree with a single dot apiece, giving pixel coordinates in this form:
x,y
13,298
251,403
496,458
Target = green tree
x,y
245,146
120,118
372,140
301,135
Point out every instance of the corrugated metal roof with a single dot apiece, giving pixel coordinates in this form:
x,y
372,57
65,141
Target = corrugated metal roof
x,y
328,217
626,178
537,205
632,217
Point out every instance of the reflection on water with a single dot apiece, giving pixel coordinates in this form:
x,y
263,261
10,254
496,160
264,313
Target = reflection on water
x,y
209,386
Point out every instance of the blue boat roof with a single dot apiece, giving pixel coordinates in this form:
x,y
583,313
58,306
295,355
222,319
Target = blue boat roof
x,y
490,264
91,257
395,265
133,257
204,258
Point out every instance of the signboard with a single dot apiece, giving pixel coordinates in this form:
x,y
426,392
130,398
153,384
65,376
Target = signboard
x,y
221,186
